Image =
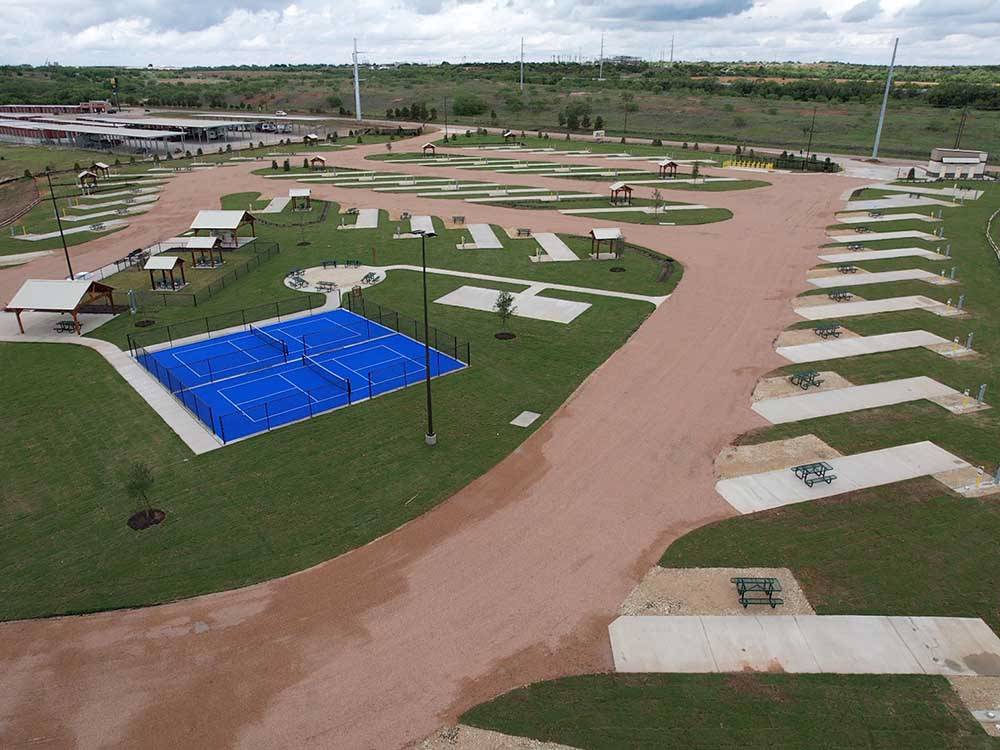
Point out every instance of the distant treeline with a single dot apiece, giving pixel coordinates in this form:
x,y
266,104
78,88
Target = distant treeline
x,y
232,88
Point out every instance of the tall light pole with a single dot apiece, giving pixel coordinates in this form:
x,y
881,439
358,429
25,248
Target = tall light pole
x,y
55,207
357,84
885,100
522,64
430,438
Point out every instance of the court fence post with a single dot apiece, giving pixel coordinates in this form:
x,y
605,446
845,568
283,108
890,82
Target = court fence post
x,y
404,374
222,428
267,416
243,314
348,392
370,384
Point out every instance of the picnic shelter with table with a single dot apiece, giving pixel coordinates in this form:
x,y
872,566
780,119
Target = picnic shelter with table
x,y
59,296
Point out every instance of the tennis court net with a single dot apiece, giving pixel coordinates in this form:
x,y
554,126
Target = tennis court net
x,y
327,374
270,340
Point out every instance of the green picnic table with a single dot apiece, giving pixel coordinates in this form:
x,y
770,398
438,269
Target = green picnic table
x,y
826,330
746,587
806,379
847,268
818,471
839,295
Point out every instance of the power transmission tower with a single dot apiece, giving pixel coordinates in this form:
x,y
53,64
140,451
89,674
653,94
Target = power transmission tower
x,y
961,127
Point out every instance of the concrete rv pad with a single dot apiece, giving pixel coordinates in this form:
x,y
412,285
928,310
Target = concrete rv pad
x,y
829,644
874,306
885,218
367,219
773,489
858,345
899,252
853,398
880,277
849,238
553,247
483,238
528,304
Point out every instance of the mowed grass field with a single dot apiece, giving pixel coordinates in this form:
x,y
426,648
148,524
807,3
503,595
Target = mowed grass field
x,y
288,499
912,548
728,711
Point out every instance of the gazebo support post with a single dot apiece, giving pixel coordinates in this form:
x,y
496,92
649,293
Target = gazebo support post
x,y
20,325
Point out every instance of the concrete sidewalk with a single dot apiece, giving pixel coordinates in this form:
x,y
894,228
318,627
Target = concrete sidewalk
x,y
772,489
827,644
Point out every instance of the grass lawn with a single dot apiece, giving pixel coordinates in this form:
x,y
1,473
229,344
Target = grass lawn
x,y
269,506
41,220
690,216
728,711
914,547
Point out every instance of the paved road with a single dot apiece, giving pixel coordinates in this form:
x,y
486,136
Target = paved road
x,y
513,579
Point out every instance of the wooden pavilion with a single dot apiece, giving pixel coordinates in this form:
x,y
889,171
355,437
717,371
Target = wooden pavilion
x,y
621,194
211,244
165,264
87,179
429,148
100,169
301,199
611,235
225,225
58,296
667,168
317,162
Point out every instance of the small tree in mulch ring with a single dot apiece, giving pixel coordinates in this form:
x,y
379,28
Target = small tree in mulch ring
x,y
504,307
138,484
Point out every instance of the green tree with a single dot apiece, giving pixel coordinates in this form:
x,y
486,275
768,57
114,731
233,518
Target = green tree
x,y
467,105
628,105
504,307
138,485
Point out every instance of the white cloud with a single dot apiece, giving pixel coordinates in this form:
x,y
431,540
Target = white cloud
x,y
186,32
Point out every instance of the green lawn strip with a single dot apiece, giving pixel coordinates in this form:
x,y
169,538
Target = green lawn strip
x,y
40,220
377,247
901,549
605,147
725,711
272,504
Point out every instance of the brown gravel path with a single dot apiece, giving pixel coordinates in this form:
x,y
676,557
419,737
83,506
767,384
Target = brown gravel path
x,y
513,579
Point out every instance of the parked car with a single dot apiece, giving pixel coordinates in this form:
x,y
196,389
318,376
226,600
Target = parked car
x,y
281,113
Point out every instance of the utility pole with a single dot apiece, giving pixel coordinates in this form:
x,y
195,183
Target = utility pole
x,y
961,127
812,129
600,70
671,50
55,207
885,99
357,83
522,64
446,118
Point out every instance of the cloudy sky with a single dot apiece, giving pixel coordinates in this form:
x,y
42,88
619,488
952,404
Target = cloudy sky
x,y
189,32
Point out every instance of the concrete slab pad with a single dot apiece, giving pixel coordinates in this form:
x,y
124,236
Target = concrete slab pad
x,y
483,238
772,489
857,645
553,247
849,238
875,306
859,345
886,218
525,419
952,192
740,643
950,646
863,255
367,219
527,305
880,277
633,209
897,201
539,198
661,644
853,398
421,224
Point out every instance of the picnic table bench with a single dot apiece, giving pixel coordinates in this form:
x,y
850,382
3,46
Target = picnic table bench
x,y
328,263
457,219
326,286
405,215
746,587
522,232
839,295
855,246
874,214
847,268
826,330
65,326
814,472
352,212
860,230
806,379
294,272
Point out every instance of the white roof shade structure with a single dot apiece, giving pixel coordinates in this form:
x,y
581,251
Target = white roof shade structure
x,y
300,118
299,193
50,294
317,158
507,133
83,129
606,233
201,243
220,219
85,173
164,122
429,145
312,137
162,262
959,160
666,163
101,165
619,185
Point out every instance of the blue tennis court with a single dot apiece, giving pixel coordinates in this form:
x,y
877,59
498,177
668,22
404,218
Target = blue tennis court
x,y
255,380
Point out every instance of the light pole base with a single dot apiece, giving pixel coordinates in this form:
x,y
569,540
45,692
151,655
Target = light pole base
x,y
431,439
